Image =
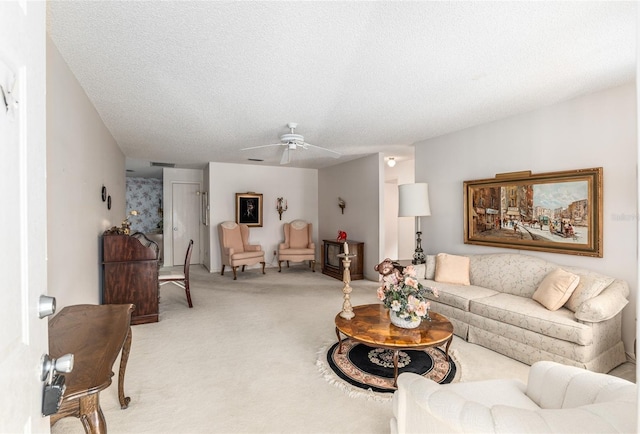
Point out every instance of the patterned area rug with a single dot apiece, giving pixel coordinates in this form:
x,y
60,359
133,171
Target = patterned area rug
x,y
361,368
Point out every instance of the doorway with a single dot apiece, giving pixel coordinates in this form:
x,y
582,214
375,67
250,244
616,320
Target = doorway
x,y
185,220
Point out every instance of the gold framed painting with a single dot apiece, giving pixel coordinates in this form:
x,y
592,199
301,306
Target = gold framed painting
x,y
558,212
249,209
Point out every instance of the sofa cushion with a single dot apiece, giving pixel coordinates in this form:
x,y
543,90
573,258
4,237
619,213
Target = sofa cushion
x,y
590,285
430,272
556,288
452,269
509,273
530,315
457,296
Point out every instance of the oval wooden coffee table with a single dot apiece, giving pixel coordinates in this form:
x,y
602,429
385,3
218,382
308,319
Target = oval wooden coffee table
x,y
372,326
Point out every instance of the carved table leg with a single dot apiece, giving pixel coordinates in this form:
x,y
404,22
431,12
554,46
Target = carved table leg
x,y
395,368
446,351
339,341
124,358
91,414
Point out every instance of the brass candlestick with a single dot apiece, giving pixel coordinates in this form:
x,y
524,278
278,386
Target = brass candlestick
x,y
347,309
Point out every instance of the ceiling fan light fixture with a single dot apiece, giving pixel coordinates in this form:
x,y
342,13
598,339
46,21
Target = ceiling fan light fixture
x,y
391,161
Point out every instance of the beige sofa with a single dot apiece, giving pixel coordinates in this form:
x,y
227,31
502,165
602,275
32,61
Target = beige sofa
x,y
495,309
556,399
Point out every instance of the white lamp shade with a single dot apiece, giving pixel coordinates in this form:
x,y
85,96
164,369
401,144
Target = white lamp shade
x,y
413,200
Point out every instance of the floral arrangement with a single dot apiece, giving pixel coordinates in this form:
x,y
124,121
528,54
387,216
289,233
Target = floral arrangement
x,y
404,295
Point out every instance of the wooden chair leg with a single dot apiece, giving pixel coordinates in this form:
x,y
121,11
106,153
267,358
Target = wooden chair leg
x,y
188,292
235,276
243,268
222,271
313,265
287,264
263,264
279,266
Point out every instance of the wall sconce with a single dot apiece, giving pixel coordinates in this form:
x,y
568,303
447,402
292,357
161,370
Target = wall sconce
x,y
342,204
391,161
281,206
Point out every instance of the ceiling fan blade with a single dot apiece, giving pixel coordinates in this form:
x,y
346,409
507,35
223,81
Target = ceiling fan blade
x,y
261,146
334,154
285,156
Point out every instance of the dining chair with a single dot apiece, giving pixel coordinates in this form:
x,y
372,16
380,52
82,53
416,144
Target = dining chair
x,y
180,279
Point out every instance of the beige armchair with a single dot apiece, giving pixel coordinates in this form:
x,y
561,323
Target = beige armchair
x,y
235,249
298,245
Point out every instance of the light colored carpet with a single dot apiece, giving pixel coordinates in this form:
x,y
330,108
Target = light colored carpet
x,y
243,360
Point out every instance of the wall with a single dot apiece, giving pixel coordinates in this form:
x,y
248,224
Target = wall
x,y
298,186
82,156
144,195
400,233
360,184
591,131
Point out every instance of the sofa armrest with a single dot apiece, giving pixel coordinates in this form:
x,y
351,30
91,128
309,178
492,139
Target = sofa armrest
x,y
606,305
311,246
283,246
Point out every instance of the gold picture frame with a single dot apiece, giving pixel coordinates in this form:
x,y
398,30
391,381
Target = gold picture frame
x,y
249,209
558,212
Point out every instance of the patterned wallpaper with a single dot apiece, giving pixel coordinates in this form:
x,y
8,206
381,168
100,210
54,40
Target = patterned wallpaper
x,y
145,196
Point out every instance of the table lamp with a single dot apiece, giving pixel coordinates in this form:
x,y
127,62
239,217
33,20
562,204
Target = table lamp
x,y
414,202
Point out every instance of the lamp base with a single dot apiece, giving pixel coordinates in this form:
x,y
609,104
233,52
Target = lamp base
x,y
418,256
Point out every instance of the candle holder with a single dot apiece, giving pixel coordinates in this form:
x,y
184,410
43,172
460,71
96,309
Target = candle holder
x,y
281,206
347,309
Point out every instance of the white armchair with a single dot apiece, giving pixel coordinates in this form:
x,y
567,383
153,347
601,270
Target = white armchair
x,y
557,398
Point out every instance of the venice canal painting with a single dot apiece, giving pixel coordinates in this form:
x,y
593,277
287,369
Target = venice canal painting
x,y
556,214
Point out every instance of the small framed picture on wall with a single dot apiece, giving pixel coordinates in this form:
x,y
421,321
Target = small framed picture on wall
x,y
249,209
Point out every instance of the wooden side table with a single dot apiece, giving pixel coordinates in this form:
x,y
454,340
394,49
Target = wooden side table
x,y
95,335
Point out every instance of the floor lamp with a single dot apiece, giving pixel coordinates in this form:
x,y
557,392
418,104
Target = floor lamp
x,y
414,202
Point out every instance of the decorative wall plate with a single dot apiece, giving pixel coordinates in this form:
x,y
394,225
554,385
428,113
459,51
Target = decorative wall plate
x,y
109,202
104,193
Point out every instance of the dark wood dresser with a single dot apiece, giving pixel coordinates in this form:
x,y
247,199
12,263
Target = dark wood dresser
x,y
131,274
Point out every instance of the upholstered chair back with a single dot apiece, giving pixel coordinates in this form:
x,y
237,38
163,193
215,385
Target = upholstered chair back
x,y
298,233
231,236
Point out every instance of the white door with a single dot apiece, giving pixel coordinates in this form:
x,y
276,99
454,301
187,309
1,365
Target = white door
x,y
186,221
23,218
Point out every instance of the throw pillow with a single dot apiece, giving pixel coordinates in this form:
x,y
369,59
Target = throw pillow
x,y
452,269
420,270
589,287
431,267
556,288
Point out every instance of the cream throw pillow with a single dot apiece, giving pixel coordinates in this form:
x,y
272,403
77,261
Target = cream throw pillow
x,y
452,269
589,287
556,288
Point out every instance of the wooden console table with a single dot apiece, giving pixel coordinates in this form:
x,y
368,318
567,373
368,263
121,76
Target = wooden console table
x,y
95,335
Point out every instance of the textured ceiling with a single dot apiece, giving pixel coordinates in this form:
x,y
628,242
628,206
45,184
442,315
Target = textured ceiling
x,y
190,82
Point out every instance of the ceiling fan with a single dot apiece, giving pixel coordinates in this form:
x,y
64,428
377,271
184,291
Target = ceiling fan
x,y
291,142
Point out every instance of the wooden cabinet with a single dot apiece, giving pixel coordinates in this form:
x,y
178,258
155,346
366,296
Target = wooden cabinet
x,y
332,264
131,274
